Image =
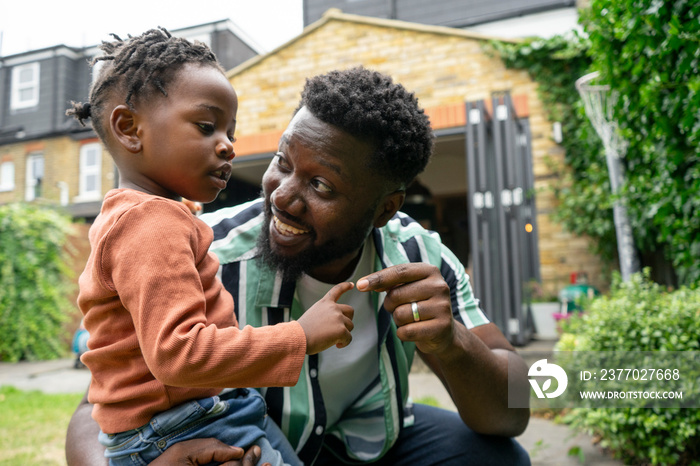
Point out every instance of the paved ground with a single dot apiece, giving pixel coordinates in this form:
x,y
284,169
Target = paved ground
x,y
548,443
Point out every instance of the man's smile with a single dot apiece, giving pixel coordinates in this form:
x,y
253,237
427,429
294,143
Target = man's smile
x,y
286,229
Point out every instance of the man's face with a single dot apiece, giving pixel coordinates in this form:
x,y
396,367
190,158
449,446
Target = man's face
x,y
321,201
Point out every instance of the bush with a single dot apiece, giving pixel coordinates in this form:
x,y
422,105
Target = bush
x,y
640,316
35,282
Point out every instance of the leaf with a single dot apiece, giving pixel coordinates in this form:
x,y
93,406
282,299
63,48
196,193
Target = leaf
x,y
546,385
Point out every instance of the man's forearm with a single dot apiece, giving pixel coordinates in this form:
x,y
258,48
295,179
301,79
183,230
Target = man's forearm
x,y
82,447
476,376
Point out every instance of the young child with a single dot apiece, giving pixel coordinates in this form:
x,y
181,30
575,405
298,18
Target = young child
x,y
164,340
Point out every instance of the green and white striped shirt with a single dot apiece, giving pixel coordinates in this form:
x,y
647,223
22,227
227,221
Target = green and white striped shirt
x,y
372,424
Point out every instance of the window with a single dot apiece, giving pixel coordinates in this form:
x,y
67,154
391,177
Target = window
x,y
7,176
25,86
35,176
90,171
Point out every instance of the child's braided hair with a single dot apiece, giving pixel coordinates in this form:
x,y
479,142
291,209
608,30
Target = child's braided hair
x,y
136,67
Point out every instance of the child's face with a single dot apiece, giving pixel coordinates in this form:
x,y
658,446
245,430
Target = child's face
x,y
187,136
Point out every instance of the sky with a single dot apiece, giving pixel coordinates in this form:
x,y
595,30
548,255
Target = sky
x,y
34,24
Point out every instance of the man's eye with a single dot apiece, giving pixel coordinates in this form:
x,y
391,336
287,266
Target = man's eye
x,y
321,186
281,161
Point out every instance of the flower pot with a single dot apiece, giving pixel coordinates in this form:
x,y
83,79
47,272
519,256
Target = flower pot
x,y
545,324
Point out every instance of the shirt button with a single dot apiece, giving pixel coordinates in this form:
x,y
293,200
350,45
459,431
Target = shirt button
x,y
319,430
313,373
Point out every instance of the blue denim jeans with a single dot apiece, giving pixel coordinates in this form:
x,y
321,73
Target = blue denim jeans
x,y
236,417
438,437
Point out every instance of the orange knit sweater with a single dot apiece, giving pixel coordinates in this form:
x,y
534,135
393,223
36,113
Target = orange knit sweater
x,y
162,328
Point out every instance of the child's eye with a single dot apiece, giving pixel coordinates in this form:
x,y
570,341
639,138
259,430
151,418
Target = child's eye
x,y
207,128
231,138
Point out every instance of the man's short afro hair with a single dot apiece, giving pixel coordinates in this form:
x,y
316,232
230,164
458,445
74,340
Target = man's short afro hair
x,y
371,107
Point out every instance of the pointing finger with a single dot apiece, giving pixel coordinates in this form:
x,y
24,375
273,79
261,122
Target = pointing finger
x,y
392,277
338,290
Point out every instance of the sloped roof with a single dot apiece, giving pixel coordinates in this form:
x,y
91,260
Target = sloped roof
x,y
335,14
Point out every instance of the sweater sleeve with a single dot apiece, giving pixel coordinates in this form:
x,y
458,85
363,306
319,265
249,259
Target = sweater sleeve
x,y
156,258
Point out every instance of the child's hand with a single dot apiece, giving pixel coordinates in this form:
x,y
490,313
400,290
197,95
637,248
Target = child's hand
x,y
328,323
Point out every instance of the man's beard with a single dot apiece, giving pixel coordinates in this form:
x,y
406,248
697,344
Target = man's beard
x,y
292,267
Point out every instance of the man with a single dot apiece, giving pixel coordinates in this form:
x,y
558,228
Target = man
x,y
330,213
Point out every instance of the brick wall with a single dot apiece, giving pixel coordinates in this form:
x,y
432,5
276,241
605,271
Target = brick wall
x,y
61,164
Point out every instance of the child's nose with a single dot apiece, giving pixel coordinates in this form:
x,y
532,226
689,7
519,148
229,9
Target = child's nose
x,y
225,150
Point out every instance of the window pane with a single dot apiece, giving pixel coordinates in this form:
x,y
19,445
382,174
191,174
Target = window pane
x,y
90,183
7,175
90,158
26,75
26,94
38,167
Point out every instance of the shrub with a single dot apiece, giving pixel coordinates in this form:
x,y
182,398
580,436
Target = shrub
x,y
35,282
640,316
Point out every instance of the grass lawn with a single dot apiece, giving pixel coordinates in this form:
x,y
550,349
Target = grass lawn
x,y
33,426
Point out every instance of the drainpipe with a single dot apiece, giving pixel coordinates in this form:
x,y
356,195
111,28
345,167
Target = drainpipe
x,y
392,9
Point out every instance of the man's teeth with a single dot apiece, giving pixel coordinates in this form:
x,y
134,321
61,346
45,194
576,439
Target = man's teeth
x,y
284,228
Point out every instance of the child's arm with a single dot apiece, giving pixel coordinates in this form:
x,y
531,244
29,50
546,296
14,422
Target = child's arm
x,y
158,262
156,258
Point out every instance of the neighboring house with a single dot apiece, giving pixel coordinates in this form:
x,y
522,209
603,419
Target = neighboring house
x,y
500,18
495,217
47,156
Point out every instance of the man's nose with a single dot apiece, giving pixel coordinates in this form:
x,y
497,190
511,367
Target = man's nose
x,y
288,196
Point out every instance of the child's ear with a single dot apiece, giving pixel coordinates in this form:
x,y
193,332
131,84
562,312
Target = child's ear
x,y
122,123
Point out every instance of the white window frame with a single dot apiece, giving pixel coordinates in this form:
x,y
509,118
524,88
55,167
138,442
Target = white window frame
x,y
31,177
7,176
18,87
90,170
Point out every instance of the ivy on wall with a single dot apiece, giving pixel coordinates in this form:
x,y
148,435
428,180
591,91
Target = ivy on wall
x,y
649,52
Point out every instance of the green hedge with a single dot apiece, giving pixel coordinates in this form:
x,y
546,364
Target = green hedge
x,y
640,316
35,282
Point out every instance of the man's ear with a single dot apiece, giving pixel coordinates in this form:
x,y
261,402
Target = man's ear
x,y
388,207
123,125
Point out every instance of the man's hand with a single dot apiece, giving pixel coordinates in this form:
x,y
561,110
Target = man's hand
x,y
422,284
205,451
472,364
328,323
